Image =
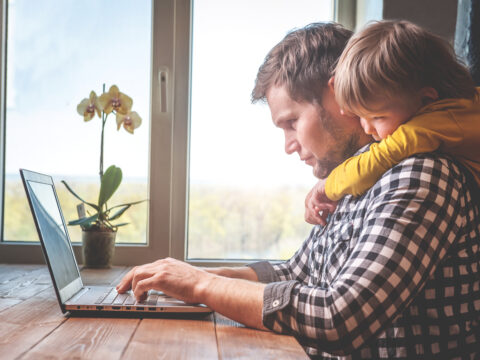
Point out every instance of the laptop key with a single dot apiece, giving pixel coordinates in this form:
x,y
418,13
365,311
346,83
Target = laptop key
x,y
151,300
110,297
103,296
130,300
120,299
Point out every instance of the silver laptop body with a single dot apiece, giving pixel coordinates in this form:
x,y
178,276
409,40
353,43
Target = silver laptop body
x,y
72,295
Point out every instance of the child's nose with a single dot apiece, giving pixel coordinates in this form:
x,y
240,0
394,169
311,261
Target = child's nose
x,y
369,129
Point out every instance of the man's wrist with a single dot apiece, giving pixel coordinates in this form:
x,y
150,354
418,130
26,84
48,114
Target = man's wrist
x,y
204,286
241,272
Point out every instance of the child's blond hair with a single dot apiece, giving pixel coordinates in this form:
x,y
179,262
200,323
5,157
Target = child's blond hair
x,y
389,59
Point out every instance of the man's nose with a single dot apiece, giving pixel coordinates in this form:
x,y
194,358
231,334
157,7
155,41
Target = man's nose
x,y
291,144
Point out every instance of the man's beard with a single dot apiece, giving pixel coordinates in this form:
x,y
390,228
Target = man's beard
x,y
345,148
324,167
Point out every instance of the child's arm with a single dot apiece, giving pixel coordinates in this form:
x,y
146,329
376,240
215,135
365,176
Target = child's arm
x,y
424,133
317,205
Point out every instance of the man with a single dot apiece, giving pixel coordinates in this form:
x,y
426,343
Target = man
x,y
394,273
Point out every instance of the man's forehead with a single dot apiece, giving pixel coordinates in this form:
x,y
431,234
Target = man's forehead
x,y
277,92
281,105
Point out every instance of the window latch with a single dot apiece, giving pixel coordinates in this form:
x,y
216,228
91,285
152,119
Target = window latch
x,y
163,84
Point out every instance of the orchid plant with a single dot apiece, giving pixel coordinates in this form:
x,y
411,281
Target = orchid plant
x,y
119,104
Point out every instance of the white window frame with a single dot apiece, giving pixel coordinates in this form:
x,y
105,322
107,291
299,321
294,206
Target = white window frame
x,y
171,129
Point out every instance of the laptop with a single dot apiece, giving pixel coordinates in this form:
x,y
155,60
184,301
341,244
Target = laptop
x,y
73,296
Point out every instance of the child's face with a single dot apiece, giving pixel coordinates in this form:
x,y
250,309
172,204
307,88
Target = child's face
x,y
389,116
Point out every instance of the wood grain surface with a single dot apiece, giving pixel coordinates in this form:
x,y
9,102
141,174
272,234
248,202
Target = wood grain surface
x,y
32,326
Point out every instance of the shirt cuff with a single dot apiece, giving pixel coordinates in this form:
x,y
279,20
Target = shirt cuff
x,y
277,296
264,270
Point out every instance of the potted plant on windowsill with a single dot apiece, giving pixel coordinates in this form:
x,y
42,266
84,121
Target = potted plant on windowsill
x,y
99,227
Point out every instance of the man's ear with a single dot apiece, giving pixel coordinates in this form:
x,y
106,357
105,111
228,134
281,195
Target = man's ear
x,y
331,83
428,95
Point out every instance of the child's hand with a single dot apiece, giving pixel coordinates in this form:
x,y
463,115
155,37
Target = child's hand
x,y
317,205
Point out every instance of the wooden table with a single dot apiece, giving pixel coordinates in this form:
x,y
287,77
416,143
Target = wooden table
x,y
35,328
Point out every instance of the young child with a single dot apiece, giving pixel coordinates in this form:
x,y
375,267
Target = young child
x,y
412,95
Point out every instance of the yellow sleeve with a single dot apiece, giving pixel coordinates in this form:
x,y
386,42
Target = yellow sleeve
x,y
424,133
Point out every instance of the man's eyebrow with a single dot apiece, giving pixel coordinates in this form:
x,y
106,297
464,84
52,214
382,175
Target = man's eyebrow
x,y
282,118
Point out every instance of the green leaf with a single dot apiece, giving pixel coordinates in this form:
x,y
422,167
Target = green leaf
x,y
130,203
84,221
111,180
118,213
122,224
78,197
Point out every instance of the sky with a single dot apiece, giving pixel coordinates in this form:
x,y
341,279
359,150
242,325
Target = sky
x,y
55,59
53,62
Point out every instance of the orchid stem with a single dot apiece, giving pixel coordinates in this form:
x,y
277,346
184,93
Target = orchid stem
x,y
104,119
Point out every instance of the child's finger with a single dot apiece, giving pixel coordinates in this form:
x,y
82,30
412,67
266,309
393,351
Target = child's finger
x,y
319,220
313,217
330,207
321,216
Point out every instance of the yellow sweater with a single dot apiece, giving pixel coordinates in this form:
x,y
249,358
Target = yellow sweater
x,y
451,126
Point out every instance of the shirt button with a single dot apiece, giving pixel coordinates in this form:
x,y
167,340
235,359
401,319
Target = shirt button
x,y
276,303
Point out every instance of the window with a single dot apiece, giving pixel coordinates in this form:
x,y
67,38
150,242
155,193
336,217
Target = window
x,y
246,196
175,68
54,53
53,62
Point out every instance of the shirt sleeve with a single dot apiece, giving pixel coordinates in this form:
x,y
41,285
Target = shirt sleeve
x,y
295,268
423,133
413,216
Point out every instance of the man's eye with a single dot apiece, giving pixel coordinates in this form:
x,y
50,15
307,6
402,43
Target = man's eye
x,y
378,118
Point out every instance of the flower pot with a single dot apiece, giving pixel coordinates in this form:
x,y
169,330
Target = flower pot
x,y
98,248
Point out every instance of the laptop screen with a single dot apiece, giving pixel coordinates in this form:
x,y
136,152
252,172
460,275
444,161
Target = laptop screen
x,y
53,232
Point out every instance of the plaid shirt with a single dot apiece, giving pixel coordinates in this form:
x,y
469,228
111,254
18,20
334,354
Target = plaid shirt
x,y
394,273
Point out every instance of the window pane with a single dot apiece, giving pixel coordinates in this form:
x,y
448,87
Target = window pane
x,y
246,195
53,62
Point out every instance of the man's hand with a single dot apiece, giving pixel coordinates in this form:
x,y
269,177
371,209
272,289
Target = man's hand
x,y
175,278
318,205
239,299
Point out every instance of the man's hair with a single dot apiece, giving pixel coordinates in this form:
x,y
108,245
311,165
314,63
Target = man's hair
x,y
303,62
391,59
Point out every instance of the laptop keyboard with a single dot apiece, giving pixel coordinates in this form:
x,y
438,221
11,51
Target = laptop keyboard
x,y
112,297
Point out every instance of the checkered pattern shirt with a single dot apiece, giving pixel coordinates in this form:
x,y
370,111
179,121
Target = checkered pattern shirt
x,y
394,273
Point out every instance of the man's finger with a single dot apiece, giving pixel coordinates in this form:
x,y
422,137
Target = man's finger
x,y
142,273
126,283
141,289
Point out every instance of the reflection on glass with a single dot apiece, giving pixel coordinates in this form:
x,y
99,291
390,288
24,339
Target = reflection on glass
x,y
246,197
53,233
53,62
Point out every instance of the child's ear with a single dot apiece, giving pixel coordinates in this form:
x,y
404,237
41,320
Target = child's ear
x,y
428,95
331,83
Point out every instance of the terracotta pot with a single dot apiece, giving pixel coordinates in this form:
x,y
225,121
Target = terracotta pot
x,y
98,248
